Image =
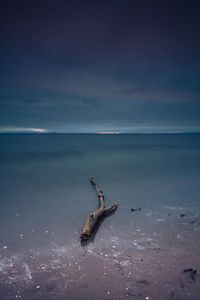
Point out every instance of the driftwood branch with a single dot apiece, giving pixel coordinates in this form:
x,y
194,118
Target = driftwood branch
x,y
94,217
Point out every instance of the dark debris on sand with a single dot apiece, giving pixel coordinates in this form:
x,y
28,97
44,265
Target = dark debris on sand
x,y
136,209
143,282
192,273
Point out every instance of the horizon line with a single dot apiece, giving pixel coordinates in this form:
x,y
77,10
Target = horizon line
x,y
100,133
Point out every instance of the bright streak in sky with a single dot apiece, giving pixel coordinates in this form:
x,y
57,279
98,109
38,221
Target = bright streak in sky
x,y
38,129
21,129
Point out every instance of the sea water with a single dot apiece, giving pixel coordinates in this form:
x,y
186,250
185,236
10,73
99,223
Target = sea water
x,y
45,197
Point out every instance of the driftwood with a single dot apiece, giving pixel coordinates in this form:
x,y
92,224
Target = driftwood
x,y
94,217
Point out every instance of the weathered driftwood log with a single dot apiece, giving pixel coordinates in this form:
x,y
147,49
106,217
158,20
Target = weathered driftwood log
x,y
97,214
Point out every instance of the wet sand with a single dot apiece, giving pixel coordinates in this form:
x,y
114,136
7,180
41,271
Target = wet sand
x,y
156,256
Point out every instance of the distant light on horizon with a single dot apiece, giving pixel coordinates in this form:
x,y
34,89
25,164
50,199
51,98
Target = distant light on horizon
x,y
107,132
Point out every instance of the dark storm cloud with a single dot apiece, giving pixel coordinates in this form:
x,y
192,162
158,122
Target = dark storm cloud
x,y
120,64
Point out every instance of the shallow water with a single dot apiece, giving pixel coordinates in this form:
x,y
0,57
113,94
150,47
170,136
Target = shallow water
x,y
46,197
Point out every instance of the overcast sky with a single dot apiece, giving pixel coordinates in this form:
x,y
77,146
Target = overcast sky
x,y
86,66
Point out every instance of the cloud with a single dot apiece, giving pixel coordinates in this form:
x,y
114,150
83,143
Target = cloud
x,y
84,88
